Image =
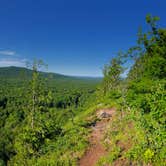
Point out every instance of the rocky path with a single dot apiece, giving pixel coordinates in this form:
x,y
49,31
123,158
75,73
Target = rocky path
x,y
96,149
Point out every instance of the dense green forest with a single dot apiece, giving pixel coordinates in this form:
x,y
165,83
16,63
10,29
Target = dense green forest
x,y
45,117
55,99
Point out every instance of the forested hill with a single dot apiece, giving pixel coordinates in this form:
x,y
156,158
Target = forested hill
x,y
21,74
16,72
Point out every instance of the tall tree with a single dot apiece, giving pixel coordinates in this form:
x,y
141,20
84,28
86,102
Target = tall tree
x,y
112,75
36,90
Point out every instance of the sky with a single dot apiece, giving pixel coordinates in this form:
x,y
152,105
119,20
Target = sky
x,y
73,37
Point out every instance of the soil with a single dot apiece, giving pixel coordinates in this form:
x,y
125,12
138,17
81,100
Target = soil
x,y
96,149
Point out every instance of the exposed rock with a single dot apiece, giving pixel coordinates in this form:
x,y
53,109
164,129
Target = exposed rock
x,y
102,115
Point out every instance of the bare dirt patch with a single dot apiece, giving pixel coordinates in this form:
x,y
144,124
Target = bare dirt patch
x,y
96,149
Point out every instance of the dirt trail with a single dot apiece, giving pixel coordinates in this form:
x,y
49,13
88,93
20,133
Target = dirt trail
x,y
96,149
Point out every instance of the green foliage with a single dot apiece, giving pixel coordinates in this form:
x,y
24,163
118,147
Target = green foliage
x,y
108,159
148,155
54,102
142,100
112,75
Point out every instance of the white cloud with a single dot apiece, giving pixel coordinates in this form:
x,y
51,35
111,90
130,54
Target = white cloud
x,y
12,62
7,52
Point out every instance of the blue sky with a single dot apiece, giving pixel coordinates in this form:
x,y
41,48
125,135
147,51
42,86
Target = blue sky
x,y
74,37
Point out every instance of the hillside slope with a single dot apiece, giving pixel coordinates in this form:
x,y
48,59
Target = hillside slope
x,y
17,75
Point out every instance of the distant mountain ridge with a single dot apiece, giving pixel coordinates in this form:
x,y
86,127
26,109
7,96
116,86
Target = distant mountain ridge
x,y
13,70
21,73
